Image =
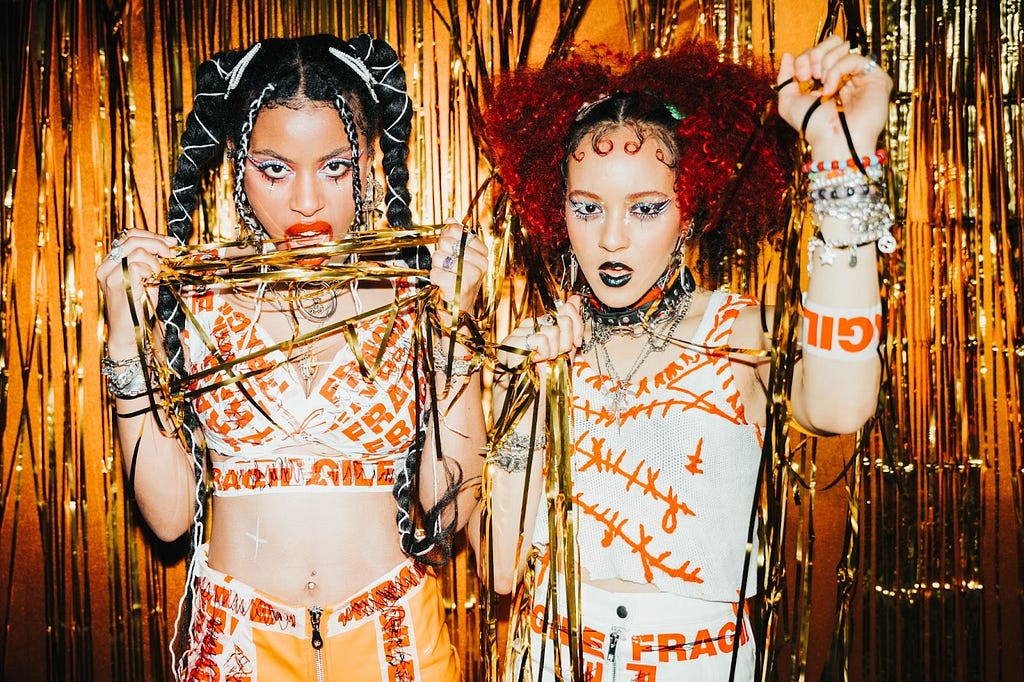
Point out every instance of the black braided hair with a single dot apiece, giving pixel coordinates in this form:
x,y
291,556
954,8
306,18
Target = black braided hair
x,y
202,144
395,122
422,532
231,89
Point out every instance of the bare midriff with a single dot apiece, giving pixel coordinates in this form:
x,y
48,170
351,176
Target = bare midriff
x,y
305,548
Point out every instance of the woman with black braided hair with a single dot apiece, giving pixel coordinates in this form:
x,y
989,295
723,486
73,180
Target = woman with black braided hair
x,y
310,456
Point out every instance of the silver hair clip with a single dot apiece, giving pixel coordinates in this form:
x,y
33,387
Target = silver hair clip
x,y
587,107
236,73
360,68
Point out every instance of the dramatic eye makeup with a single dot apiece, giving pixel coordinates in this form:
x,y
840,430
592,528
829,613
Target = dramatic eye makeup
x,y
271,168
338,168
584,210
647,210
334,168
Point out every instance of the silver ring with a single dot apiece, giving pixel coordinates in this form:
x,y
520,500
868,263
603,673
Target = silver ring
x,y
869,67
448,263
530,345
115,251
470,235
546,320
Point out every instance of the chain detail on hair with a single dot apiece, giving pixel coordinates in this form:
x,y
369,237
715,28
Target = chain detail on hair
x,y
253,231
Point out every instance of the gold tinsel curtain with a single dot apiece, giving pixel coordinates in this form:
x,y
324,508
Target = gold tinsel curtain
x,y
924,531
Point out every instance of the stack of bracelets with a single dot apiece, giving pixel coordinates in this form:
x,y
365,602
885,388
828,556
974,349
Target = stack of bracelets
x,y
845,191
125,378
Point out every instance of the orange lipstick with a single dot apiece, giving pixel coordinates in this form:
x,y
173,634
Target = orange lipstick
x,y
308,234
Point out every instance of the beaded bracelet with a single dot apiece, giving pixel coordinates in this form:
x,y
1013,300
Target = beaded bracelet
x,y
865,213
870,219
124,377
879,158
871,176
838,192
512,454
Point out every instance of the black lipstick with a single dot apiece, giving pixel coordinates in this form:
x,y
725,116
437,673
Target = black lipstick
x,y
619,278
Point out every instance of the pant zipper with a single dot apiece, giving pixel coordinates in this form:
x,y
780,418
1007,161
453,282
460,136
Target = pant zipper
x,y
613,641
317,641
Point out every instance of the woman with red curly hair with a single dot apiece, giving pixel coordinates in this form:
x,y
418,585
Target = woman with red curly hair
x,y
625,168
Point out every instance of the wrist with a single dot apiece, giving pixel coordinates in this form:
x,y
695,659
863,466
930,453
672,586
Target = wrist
x,y
837,148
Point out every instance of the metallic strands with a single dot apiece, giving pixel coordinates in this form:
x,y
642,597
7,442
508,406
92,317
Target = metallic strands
x,y
941,494
91,107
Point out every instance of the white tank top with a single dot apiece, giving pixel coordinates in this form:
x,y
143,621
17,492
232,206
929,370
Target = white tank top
x,y
664,494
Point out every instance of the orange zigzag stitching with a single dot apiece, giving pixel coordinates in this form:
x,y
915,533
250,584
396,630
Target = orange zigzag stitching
x,y
639,547
605,462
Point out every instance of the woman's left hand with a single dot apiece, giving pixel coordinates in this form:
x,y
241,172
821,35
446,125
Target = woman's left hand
x,y
826,70
444,264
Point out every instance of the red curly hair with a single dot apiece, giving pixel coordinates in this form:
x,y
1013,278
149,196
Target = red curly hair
x,y
735,153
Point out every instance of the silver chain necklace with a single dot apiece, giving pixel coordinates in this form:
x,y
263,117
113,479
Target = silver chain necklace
x,y
622,395
316,301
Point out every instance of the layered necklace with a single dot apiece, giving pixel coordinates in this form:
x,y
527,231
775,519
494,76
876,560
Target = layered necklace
x,y
656,316
316,302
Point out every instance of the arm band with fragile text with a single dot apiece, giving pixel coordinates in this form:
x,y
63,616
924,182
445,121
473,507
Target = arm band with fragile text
x,y
846,334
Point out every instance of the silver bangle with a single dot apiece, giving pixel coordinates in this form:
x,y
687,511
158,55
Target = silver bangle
x,y
513,452
460,367
124,377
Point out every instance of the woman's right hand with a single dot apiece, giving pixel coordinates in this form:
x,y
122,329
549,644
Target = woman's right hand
x,y
144,252
546,337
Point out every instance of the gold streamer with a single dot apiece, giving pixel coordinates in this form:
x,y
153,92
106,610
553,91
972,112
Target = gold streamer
x,y
92,101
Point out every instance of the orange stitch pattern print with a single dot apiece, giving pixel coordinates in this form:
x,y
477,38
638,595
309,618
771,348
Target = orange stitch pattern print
x,y
646,478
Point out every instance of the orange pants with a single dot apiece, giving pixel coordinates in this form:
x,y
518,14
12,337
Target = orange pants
x,y
391,631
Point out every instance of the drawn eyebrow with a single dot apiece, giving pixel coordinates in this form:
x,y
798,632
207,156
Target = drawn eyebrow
x,y
340,151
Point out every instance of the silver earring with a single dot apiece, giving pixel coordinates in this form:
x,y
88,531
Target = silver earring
x,y
569,269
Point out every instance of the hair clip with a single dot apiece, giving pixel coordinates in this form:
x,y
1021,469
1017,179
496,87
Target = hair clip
x,y
236,73
673,110
587,107
360,70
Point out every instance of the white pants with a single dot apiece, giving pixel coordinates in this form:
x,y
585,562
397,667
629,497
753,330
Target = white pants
x,y
643,637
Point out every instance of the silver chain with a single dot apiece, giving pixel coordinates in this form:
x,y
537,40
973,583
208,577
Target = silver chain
x,y
621,395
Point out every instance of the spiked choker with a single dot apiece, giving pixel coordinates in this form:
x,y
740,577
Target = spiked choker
x,y
659,301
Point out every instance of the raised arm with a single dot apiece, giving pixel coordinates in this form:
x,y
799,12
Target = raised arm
x,y
164,480
463,434
836,383
545,338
